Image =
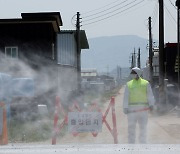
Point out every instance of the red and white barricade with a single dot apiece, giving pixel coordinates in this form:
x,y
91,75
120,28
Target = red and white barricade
x,y
75,108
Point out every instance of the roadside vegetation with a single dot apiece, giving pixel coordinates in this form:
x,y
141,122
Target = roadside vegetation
x,y
39,129
29,131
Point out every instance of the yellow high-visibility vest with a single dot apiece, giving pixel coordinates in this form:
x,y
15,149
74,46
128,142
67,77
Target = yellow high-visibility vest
x,y
138,92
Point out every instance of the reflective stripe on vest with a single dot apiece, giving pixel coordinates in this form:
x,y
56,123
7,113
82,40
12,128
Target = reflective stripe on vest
x,y
138,92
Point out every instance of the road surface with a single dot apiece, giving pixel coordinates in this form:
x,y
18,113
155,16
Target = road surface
x,y
164,129
163,136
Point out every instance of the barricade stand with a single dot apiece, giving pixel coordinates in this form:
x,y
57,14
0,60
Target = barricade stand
x,y
112,106
94,106
114,120
74,107
4,135
56,130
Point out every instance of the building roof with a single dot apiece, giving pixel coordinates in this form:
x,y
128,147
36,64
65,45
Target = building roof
x,y
89,72
170,45
40,17
83,39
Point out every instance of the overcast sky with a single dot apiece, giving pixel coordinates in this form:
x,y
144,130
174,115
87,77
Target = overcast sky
x,y
102,17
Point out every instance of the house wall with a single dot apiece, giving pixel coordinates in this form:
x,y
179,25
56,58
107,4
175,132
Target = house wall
x,y
35,60
30,39
54,73
35,43
170,59
66,49
67,81
67,65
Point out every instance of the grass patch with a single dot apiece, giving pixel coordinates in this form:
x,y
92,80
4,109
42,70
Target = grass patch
x,y
40,129
29,131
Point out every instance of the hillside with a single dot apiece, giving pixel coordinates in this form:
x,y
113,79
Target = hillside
x,y
106,53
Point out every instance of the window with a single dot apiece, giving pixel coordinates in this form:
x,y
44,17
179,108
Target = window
x,y
11,52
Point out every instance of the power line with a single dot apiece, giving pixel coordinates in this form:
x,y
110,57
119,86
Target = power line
x,y
154,15
114,14
155,10
110,12
104,10
172,4
170,14
100,7
72,19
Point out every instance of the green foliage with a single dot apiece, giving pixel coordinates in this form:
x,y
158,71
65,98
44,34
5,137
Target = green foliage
x,y
31,131
40,128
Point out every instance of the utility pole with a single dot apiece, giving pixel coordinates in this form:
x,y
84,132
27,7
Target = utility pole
x,y
162,95
107,70
78,51
118,75
134,54
178,43
139,58
178,40
150,52
132,61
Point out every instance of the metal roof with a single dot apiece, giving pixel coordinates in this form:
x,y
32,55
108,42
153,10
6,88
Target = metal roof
x,y
88,70
170,45
83,39
43,15
46,17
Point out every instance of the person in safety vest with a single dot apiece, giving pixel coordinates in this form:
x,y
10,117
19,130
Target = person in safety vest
x,y
138,99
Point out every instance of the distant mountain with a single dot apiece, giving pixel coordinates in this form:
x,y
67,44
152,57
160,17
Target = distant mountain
x,y
106,53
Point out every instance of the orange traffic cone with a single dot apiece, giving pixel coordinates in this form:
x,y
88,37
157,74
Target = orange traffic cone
x,y
4,135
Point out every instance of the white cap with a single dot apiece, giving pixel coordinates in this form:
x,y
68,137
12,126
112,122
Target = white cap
x,y
137,70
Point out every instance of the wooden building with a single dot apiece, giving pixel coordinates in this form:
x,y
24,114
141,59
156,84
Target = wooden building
x,y
32,46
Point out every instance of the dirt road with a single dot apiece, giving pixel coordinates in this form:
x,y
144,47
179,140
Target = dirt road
x,y
161,129
163,136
